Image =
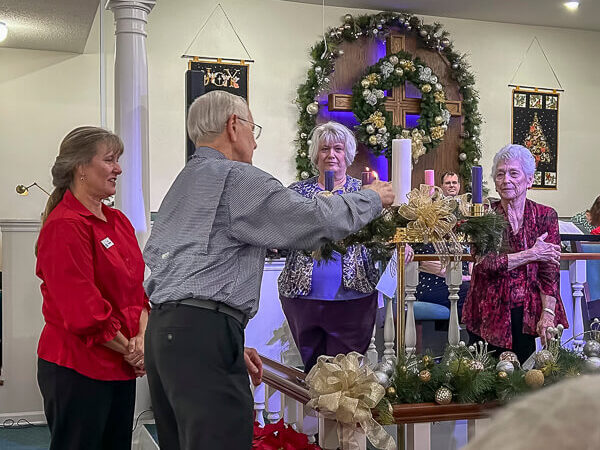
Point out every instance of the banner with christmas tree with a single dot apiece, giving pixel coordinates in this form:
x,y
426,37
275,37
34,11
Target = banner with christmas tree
x,y
535,126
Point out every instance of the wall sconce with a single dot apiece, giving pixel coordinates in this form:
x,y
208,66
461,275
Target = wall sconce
x,y
24,190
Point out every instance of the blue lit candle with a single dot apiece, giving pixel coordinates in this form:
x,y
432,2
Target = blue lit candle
x,y
477,184
329,180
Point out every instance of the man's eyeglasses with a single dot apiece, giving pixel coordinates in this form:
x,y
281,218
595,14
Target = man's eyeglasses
x,y
256,129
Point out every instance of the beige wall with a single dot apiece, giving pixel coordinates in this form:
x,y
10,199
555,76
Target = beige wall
x,y
45,94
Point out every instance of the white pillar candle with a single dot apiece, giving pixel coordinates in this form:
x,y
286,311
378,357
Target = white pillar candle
x,y
401,169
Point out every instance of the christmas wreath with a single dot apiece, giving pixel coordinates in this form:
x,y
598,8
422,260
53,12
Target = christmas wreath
x,y
376,129
378,27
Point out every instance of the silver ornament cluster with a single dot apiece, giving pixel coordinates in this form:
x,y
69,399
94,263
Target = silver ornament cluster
x,y
312,108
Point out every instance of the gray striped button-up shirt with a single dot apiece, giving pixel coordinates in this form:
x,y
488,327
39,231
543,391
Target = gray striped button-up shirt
x,y
219,217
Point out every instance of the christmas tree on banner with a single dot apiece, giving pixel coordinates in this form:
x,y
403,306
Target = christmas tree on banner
x,y
536,142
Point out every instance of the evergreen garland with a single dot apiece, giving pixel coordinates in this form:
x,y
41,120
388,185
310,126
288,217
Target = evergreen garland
x,y
379,26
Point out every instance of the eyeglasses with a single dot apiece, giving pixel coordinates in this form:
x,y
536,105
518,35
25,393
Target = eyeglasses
x,y
256,129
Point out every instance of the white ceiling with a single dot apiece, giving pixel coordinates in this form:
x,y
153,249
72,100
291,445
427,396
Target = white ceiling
x,y
64,25
550,13
59,25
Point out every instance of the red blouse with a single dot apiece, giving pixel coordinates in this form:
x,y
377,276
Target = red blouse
x,y
92,273
495,290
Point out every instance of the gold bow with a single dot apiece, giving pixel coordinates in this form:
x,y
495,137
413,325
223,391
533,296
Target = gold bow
x,y
430,214
417,147
377,119
465,204
372,78
346,389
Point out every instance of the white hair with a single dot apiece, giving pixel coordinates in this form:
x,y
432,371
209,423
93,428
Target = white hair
x,y
331,133
518,152
209,113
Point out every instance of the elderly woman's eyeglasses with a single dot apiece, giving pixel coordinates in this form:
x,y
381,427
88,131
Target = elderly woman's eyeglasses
x,y
256,129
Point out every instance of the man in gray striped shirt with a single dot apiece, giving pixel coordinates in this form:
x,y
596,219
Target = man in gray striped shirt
x,y
206,255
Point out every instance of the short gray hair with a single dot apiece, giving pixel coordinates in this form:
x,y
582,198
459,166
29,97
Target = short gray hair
x,y
209,113
518,152
332,132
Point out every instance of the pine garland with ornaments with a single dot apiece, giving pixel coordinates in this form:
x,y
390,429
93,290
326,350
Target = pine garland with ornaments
x,y
378,27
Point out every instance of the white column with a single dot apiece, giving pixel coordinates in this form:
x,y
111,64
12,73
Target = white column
x,y
389,332
577,275
22,322
371,354
411,273
453,280
131,110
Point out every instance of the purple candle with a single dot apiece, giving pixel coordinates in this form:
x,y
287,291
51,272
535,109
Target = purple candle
x,y
477,184
329,180
367,177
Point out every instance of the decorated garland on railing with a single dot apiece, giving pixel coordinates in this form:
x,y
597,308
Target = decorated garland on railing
x,y
378,26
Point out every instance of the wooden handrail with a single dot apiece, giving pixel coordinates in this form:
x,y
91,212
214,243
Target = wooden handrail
x,y
467,257
288,380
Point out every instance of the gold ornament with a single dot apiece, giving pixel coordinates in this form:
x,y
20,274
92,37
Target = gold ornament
x,y
402,369
437,133
372,140
372,78
427,360
426,88
443,396
534,378
390,391
425,376
438,119
502,375
365,83
410,66
417,147
439,97
377,119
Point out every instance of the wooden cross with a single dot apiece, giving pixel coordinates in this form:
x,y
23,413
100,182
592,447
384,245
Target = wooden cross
x,y
397,103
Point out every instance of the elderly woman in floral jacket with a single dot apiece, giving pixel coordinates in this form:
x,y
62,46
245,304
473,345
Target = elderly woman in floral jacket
x,y
330,306
515,295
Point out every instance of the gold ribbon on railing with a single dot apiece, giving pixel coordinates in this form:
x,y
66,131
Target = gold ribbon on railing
x,y
465,204
345,389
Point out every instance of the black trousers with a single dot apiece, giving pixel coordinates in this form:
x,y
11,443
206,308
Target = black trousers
x,y
83,413
198,380
523,344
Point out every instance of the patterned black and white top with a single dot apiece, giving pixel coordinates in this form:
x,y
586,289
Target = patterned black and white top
x,y
218,218
358,270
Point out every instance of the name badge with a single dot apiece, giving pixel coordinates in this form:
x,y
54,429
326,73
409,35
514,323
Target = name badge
x,y
107,242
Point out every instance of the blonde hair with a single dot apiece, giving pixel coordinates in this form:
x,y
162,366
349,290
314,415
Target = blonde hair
x,y
77,149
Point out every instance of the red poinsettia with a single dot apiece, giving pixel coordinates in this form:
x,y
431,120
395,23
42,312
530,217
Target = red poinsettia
x,y
279,436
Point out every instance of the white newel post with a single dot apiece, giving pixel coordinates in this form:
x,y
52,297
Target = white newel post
x,y
577,276
411,274
389,332
131,110
453,280
131,124
22,322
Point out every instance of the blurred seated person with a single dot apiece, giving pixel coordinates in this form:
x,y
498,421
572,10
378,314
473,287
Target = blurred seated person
x,y
515,294
589,221
330,305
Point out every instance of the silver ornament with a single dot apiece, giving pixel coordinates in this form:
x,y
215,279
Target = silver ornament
x,y
591,348
443,396
312,108
423,33
318,69
303,155
382,378
505,366
326,80
304,175
445,42
386,367
399,71
348,18
592,364
303,135
382,130
370,129
511,357
462,156
455,66
408,28
438,120
340,52
542,358
309,142
394,59
433,79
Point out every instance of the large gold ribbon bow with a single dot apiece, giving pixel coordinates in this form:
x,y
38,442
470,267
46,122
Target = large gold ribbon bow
x,y
344,388
418,139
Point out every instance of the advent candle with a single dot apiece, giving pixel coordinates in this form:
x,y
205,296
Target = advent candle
x,y
477,184
367,177
401,169
329,180
430,177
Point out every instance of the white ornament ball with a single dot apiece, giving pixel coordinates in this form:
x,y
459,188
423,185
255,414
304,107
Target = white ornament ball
x,y
309,142
399,71
591,348
462,156
438,87
423,33
303,135
312,108
370,129
438,120
455,66
303,155
445,42
505,366
393,60
304,175
318,69
592,364
382,378
382,130
408,28
326,80
433,79
366,93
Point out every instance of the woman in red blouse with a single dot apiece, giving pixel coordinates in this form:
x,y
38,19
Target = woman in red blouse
x,y
92,346
515,295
